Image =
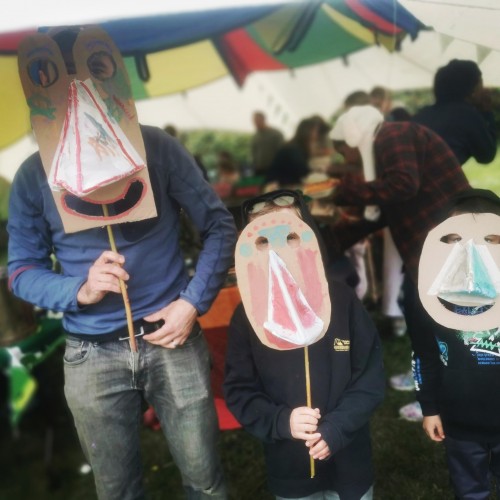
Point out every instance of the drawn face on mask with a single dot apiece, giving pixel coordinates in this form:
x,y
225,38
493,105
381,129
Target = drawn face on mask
x,y
459,276
282,280
85,123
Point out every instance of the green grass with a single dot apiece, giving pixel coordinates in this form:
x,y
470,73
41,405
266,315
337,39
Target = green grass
x,y
484,176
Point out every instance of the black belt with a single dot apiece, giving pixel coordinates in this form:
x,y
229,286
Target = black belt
x,y
141,327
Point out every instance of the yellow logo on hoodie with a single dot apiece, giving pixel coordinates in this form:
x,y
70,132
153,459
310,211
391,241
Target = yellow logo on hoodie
x,y
341,344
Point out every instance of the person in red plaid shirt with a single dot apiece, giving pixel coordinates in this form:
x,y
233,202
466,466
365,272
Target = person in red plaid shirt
x,y
410,175
416,174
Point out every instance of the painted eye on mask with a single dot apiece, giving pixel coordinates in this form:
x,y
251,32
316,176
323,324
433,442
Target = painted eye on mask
x,y
43,72
102,66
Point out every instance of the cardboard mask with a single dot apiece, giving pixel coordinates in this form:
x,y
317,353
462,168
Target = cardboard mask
x,y
92,156
459,281
282,281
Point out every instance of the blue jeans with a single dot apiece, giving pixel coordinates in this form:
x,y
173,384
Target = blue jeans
x,y
104,385
330,495
472,465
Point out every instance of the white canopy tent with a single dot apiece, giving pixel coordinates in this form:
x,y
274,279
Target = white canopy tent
x,y
288,96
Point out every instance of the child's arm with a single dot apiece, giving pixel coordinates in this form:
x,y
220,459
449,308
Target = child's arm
x,y
426,364
243,390
433,427
366,388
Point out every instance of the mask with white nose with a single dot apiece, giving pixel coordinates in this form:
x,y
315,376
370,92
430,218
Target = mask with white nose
x,y
459,276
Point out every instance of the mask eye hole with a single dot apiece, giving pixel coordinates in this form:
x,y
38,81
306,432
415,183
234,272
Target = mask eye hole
x,y
43,72
261,243
451,238
293,240
492,239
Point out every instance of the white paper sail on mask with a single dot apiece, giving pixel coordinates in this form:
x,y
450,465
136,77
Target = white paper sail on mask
x,y
282,281
93,151
469,277
290,317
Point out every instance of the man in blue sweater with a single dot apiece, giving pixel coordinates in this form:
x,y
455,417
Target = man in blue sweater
x,y
105,380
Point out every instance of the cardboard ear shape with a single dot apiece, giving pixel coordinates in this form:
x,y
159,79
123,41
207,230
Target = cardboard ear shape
x,y
98,61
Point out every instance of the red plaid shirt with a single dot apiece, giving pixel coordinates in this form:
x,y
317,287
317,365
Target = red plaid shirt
x,y
417,173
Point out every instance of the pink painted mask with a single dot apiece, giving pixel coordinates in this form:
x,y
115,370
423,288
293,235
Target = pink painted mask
x,y
282,281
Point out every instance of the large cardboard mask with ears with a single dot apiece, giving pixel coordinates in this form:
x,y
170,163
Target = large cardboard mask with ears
x,y
282,281
459,277
110,142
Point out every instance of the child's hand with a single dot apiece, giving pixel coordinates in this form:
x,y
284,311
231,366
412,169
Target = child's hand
x,y
304,423
318,449
433,427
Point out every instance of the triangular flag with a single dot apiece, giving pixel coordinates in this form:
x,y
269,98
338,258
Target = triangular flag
x,y
482,53
445,41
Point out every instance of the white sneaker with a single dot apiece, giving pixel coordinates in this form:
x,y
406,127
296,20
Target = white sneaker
x,y
402,382
398,326
411,412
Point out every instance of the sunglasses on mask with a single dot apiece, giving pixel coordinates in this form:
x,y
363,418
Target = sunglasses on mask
x,y
281,199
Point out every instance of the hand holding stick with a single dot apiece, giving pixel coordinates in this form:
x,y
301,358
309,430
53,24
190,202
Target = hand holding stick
x,y
123,288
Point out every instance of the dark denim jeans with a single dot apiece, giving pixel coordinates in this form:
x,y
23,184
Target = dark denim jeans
x,y
330,495
472,466
103,387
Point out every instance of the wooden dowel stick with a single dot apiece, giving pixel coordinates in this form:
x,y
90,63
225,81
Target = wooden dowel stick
x,y
123,287
309,399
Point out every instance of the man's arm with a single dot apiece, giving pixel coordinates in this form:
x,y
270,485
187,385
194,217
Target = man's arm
x,y
31,274
214,223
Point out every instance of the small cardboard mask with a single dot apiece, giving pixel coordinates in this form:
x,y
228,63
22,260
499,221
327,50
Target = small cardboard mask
x,y
459,277
72,138
282,281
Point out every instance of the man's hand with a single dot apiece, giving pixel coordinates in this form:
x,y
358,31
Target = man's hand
x,y
103,277
304,423
318,449
433,427
179,317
